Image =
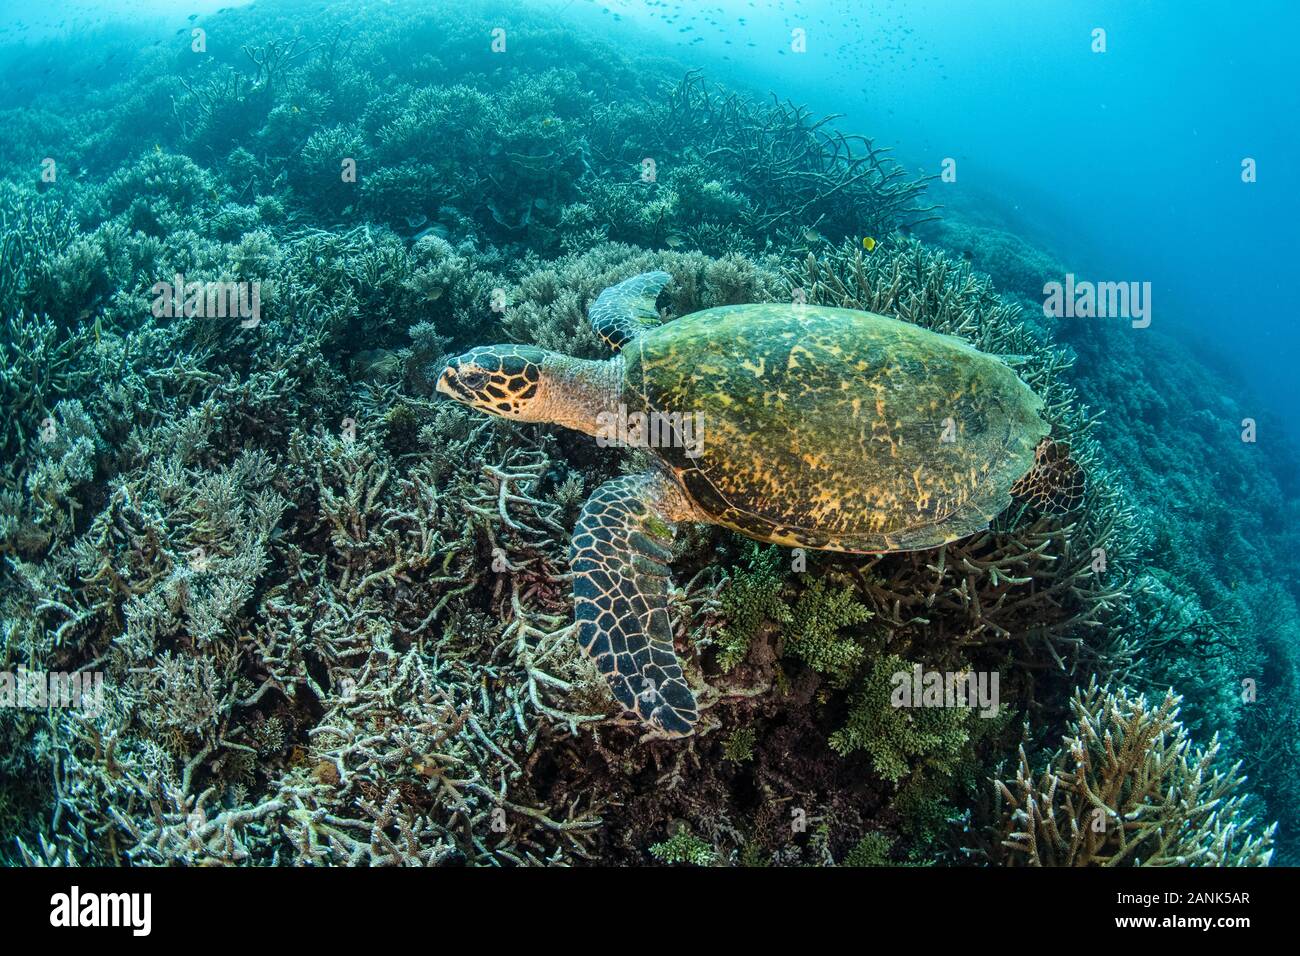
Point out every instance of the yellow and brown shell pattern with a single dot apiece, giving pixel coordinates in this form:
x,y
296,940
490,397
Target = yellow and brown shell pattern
x,y
836,429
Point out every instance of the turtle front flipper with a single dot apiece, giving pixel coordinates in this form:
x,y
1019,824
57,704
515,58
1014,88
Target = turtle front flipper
x,y
623,311
1055,485
620,582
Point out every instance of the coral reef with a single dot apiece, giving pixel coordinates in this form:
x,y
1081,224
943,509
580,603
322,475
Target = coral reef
x,y
1129,788
899,740
1214,612
333,614
684,847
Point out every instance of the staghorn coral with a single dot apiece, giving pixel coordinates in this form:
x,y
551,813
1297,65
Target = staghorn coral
x,y
786,171
1271,757
1128,788
208,708
34,228
68,450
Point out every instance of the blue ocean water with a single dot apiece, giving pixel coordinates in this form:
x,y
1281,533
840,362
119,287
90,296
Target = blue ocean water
x,y
250,495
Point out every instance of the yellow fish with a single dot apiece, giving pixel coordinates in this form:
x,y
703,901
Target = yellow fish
x,y
868,243
157,148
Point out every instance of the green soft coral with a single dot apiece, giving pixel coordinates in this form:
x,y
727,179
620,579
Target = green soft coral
x,y
684,847
739,746
752,598
871,850
812,634
900,740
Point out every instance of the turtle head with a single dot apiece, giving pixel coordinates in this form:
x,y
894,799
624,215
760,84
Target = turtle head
x,y
502,380
528,384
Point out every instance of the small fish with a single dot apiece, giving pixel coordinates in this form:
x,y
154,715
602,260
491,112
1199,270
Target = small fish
x,y
674,241
157,149
812,235
868,243
416,221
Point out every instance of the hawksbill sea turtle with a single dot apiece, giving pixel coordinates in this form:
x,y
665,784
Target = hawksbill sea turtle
x,y
821,428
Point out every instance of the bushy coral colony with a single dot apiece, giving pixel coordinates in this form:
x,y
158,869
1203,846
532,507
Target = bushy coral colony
x,y
332,613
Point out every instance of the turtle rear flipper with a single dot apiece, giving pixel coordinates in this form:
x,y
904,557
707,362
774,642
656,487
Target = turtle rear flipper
x,y
623,311
620,582
1055,484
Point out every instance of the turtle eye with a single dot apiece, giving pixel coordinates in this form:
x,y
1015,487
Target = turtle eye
x,y
473,379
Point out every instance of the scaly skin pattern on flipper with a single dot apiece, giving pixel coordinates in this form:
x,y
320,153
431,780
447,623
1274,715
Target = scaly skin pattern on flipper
x,y
1055,485
836,429
622,312
620,558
